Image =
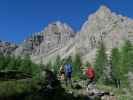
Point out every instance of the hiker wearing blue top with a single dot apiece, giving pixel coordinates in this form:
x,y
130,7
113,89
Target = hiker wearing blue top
x,y
68,73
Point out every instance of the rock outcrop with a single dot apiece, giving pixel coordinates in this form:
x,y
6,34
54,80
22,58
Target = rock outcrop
x,y
29,45
7,48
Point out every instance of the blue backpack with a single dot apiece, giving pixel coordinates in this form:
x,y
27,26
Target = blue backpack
x,y
68,68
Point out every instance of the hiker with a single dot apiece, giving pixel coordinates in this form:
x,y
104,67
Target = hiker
x,y
68,73
90,75
61,72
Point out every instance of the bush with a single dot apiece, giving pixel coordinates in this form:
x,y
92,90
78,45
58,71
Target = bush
x,y
16,88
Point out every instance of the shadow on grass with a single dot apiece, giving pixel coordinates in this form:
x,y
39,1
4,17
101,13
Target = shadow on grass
x,y
50,89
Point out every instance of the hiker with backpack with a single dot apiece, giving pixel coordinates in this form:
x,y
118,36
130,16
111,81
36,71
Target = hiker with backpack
x,y
90,75
68,73
61,72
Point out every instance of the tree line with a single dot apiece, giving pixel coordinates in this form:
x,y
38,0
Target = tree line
x,y
119,62
10,62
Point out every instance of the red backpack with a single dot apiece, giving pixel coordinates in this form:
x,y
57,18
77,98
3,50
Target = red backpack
x,y
90,73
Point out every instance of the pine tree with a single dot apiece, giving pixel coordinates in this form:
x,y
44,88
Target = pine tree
x,y
127,56
130,63
69,59
35,70
100,63
76,63
26,65
6,62
57,64
126,61
49,65
116,66
12,63
18,61
2,60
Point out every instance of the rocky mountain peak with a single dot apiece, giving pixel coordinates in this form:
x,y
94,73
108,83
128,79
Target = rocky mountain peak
x,y
57,27
105,26
55,35
103,9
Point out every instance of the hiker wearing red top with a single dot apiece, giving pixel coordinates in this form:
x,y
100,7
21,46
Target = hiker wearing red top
x,y
90,74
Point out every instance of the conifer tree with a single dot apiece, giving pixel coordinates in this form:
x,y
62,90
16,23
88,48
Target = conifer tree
x,y
116,66
35,70
100,63
127,56
57,64
126,61
26,65
2,60
18,61
6,62
49,65
76,63
11,65
130,63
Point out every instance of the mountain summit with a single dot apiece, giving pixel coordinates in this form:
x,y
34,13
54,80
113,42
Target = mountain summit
x,y
104,26
59,38
55,35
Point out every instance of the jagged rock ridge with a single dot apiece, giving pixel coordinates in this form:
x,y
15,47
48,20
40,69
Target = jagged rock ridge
x,y
103,25
60,39
53,37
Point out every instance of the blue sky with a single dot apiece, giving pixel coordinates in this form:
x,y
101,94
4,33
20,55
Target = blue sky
x,y
21,18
